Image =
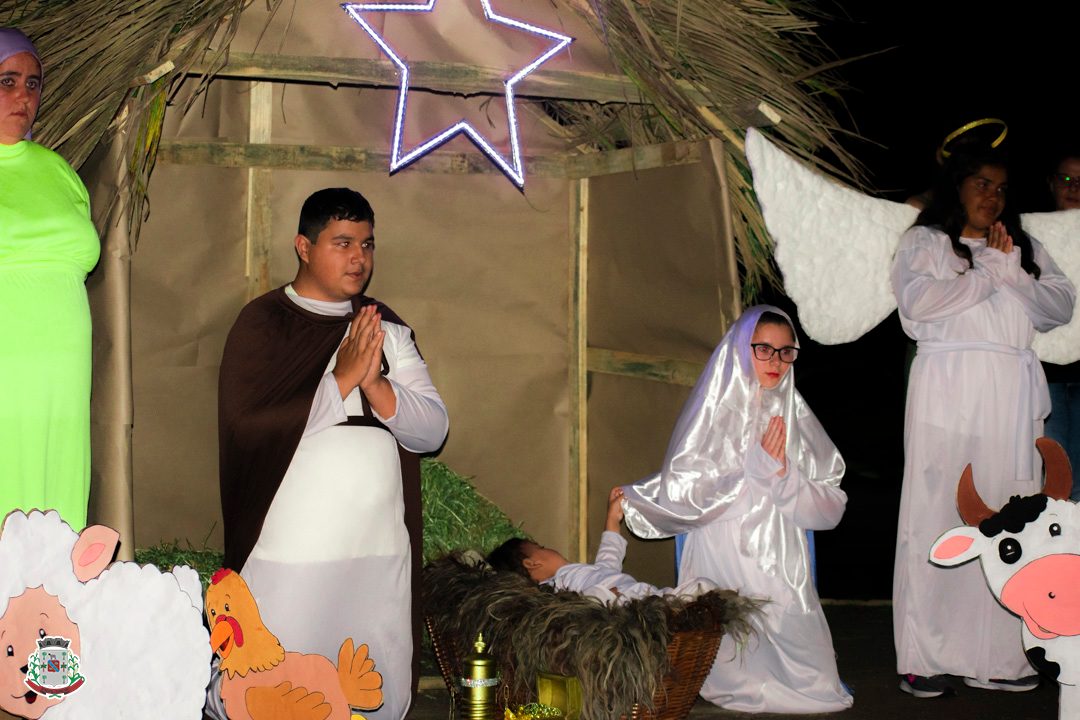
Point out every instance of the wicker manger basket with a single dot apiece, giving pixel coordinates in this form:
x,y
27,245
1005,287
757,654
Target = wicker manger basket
x,y
691,654
678,644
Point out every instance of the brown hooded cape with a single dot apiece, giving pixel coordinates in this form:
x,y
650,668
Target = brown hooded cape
x,y
275,357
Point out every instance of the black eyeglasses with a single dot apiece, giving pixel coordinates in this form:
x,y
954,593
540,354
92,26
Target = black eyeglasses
x,y
765,351
1070,181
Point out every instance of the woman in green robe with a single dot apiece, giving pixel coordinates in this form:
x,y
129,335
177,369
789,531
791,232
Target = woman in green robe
x,y
47,246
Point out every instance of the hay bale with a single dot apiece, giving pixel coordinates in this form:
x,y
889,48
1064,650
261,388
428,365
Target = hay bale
x,y
456,516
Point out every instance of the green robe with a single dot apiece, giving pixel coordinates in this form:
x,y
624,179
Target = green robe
x,y
47,246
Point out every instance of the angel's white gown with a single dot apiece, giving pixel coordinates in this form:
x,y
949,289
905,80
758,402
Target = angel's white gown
x,y
976,394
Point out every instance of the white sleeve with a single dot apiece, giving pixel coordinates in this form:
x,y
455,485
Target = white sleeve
x,y
612,551
809,504
327,408
922,295
421,421
1048,301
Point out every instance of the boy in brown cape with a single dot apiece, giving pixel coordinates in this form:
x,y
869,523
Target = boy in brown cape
x,y
324,401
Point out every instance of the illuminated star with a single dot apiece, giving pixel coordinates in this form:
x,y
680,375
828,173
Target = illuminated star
x,y
513,167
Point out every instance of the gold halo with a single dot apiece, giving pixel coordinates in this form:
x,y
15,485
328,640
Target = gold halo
x,y
971,126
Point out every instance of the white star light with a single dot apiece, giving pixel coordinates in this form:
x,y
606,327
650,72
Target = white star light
x,y
514,169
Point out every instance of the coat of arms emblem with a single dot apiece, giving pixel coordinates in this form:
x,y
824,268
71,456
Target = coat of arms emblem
x,y
52,669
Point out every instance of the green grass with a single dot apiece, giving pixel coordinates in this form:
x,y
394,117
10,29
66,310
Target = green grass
x,y
166,555
457,517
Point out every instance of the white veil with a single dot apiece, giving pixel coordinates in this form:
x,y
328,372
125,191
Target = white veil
x,y
703,476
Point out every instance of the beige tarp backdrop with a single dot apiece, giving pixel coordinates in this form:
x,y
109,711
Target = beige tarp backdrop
x,y
481,271
661,282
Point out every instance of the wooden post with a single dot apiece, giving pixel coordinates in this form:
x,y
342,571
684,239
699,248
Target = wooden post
x,y
730,308
258,231
579,374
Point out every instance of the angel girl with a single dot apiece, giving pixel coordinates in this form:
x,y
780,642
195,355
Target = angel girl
x,y
972,289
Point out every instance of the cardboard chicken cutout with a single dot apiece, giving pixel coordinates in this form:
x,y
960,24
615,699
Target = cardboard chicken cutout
x,y
1029,551
83,638
262,681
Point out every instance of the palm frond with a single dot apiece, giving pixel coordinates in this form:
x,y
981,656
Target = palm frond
x,y
100,56
704,67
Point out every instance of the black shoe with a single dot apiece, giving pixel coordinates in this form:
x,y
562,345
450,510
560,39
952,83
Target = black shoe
x,y
923,687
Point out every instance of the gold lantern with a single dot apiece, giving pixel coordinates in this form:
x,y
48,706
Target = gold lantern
x,y
480,685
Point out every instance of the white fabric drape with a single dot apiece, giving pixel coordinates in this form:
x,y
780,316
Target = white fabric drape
x,y
746,525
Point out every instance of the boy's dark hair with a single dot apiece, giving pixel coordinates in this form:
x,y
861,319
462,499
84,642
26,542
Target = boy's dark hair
x,y
329,204
510,557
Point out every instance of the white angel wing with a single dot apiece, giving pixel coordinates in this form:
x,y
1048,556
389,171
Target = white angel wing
x,y
1059,232
835,247
834,244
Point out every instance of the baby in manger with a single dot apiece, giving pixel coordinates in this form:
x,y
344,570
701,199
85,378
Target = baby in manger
x,y
602,579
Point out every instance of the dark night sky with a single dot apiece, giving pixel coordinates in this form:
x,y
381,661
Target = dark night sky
x,y
953,61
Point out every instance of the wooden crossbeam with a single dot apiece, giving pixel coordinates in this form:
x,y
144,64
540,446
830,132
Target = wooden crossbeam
x,y
329,157
645,367
456,78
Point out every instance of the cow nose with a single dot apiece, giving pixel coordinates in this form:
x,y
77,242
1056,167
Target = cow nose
x,y
1046,594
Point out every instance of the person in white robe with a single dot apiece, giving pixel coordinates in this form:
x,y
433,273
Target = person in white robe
x,y
332,559
972,291
748,470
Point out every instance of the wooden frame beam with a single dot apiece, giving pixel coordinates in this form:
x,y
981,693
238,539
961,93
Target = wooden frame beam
x,y
259,235
577,334
645,367
331,157
455,78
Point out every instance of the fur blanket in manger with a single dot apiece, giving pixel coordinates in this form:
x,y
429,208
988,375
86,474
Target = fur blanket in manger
x,y
619,653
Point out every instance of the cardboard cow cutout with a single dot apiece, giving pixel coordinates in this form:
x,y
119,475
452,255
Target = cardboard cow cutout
x,y
261,681
85,639
1029,551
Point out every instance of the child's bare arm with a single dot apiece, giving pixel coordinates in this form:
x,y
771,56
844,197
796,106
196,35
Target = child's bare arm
x,y
614,510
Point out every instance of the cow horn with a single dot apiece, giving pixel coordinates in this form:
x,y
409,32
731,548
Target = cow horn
x,y
1058,470
972,508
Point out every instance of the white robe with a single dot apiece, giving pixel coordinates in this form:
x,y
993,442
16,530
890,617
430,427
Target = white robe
x,y
746,527
605,580
976,394
333,559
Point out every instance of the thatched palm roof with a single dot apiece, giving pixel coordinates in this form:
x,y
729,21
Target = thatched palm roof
x,y
110,63
706,67
711,67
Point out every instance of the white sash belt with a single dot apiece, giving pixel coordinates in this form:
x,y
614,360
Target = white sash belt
x,y
1033,402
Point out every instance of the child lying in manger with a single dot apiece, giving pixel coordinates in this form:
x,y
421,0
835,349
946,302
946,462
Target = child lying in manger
x,y
603,579
532,628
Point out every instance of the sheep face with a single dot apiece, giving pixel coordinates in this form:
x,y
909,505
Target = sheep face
x,y
30,616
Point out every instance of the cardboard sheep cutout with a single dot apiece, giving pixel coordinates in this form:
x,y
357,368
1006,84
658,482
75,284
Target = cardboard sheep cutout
x,y
1029,551
260,680
97,640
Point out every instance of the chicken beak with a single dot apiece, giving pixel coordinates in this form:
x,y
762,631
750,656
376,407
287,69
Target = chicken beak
x,y
221,638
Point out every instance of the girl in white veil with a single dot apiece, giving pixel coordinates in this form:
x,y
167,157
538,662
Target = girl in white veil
x,y
748,470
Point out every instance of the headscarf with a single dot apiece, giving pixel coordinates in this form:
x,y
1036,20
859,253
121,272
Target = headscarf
x,y
703,474
13,42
